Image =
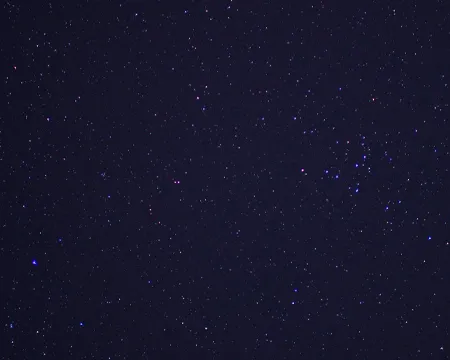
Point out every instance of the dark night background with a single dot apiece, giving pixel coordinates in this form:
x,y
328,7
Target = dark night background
x,y
225,180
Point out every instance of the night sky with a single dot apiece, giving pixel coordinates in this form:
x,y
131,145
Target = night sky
x,y
225,180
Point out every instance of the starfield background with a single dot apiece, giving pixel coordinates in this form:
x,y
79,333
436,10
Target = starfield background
x,y
225,180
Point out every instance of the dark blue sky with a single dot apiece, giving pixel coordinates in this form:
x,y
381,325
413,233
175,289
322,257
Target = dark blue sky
x,y
224,180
